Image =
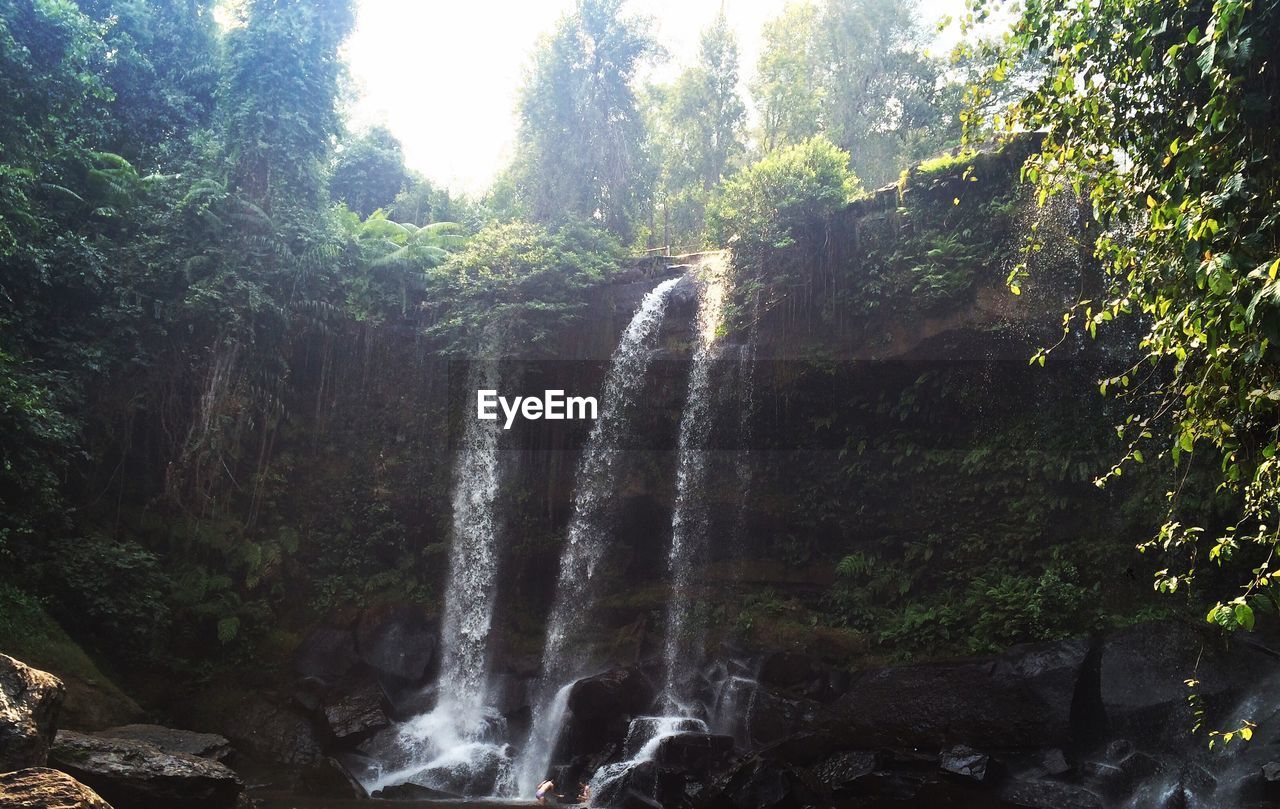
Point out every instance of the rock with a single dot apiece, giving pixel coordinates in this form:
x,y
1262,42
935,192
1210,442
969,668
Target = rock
x,y
842,770
787,670
43,788
29,704
410,792
265,730
327,654
1144,671
406,703
138,776
693,751
965,762
1022,698
1050,762
396,640
1048,795
170,740
599,708
474,778
770,718
329,779
357,713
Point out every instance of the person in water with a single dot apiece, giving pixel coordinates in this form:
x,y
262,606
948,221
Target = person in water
x,y
544,789
584,792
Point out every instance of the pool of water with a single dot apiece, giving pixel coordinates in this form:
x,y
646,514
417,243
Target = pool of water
x,y
277,801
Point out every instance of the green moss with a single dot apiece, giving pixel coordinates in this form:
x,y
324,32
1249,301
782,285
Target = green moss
x,y
30,635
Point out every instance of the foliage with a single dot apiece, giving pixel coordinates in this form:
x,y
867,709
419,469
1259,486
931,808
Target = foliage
x,y
582,142
280,98
854,70
697,133
1169,128
369,172
522,279
781,201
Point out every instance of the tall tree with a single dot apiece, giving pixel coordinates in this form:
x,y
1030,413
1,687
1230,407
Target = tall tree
x,y
855,71
582,141
281,98
697,126
162,70
369,171
789,88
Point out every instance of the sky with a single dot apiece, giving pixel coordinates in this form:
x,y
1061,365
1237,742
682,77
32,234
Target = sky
x,y
445,76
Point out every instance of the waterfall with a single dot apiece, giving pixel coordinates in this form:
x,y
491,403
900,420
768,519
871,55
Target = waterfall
x,y
688,521
597,478
457,746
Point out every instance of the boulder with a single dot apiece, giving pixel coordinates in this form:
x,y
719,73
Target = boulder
x,y
29,704
693,751
410,792
1022,698
1048,795
170,740
357,713
396,640
138,776
269,731
328,654
43,788
769,717
965,763
328,779
788,670
599,708
1144,671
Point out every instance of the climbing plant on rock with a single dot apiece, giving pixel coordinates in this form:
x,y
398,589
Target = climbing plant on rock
x,y
1163,114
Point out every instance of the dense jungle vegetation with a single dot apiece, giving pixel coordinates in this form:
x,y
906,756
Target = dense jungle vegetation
x,y
197,253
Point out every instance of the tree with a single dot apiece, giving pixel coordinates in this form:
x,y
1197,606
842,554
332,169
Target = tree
x,y
162,71
1169,129
855,71
697,132
280,98
369,172
582,142
788,88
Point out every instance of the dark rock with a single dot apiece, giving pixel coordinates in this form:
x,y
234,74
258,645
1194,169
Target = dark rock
x,y
475,778
327,654
599,710
138,776
410,792
839,772
965,762
1022,698
29,704
329,779
171,740
265,730
770,718
510,693
663,785
635,800
1048,795
357,713
693,751
43,788
396,640
1144,671
1051,762
762,784
787,669
406,703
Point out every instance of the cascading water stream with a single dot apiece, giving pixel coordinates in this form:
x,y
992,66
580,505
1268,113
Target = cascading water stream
x,y
688,521
588,537
456,746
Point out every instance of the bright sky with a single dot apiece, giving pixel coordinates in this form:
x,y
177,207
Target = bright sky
x,y
444,76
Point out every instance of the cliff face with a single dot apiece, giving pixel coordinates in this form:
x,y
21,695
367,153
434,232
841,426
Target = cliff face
x,y
887,475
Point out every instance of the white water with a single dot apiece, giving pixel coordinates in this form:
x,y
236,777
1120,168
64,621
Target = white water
x,y
457,745
597,479
644,736
688,521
